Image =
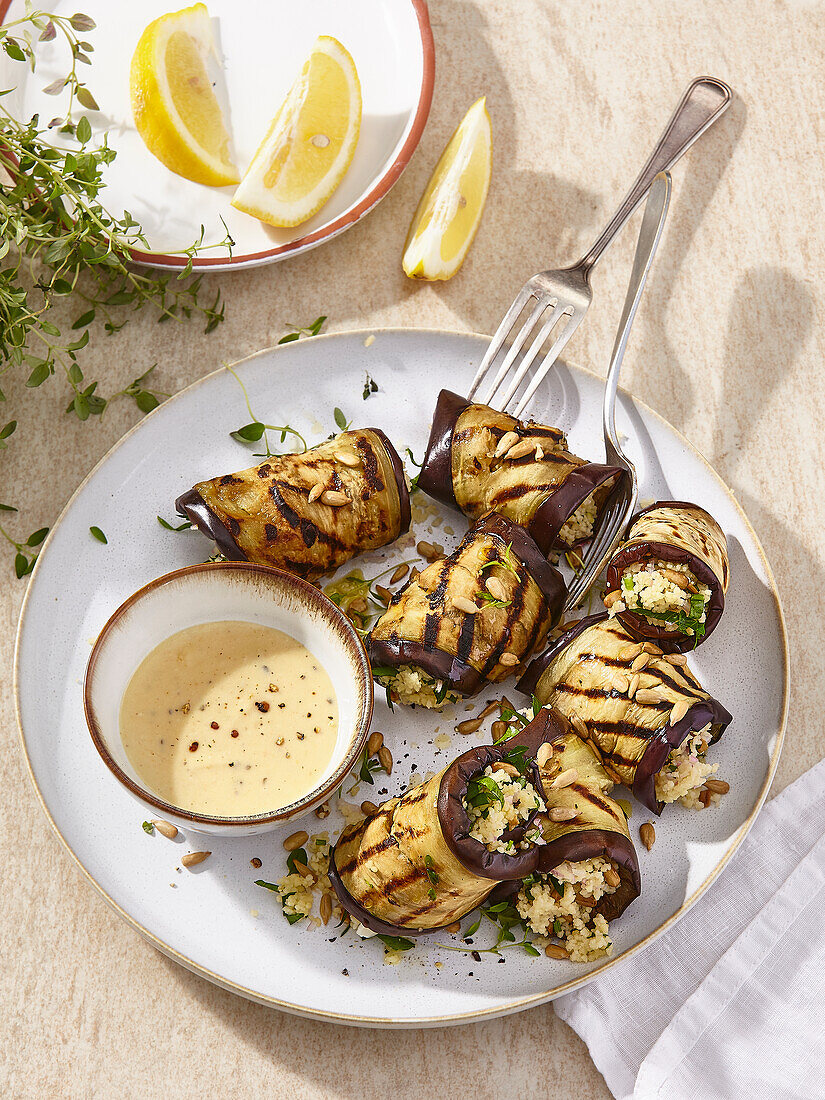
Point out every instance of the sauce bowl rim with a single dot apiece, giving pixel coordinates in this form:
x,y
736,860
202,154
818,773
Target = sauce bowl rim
x,y
310,596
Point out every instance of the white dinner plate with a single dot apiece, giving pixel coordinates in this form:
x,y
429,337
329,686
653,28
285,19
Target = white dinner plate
x,y
264,44
216,921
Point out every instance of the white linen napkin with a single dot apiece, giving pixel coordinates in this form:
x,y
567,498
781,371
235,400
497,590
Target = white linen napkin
x,y
730,1002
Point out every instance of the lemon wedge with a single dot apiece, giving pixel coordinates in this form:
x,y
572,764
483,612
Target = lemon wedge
x,y
450,210
310,142
175,109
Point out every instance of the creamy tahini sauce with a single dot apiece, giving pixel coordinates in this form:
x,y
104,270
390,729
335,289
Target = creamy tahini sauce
x,y
230,719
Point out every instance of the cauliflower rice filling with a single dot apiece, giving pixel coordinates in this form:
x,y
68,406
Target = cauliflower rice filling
x,y
682,779
663,591
569,916
579,525
415,687
496,802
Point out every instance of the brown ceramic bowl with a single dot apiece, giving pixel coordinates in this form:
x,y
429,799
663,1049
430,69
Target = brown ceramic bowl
x,y
227,591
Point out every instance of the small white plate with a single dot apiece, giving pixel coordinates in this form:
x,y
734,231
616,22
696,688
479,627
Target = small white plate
x,y
78,582
264,44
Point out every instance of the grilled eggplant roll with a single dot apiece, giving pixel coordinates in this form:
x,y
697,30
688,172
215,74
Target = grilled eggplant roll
x,y
480,460
469,619
307,513
668,580
587,870
430,856
645,713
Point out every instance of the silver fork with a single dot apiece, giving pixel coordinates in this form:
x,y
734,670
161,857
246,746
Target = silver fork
x,y
566,293
622,502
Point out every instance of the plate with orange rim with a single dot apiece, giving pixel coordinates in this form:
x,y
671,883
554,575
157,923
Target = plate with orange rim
x,y
263,44
315,971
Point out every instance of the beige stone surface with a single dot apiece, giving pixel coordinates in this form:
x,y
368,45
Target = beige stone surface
x,y
728,346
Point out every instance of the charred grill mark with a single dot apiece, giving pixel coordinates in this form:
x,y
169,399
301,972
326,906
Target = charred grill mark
x,y
435,599
371,467
402,831
513,614
233,525
409,878
309,532
593,798
230,479
264,471
271,532
679,685
363,854
419,796
465,638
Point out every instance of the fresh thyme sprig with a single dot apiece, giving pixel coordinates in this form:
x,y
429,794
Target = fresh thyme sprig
x,y
25,552
59,242
298,331
257,429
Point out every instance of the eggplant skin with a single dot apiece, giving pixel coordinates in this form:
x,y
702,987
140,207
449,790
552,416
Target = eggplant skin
x,y
264,514
680,532
586,675
460,469
423,626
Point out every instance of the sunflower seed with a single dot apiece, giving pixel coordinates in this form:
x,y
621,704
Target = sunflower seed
x,y
647,834
496,588
465,605
508,440
544,754
192,859
326,908
498,729
384,594
633,686
385,758
315,491
375,742
334,499
454,927
611,597
520,450
296,840
640,661
469,725
579,726
678,659
565,778
348,458
555,951
612,877
621,683
648,695
166,828
509,659
368,809
717,786
399,574
503,766
652,649
678,711
562,813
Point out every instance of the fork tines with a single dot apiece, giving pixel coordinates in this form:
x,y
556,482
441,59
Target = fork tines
x,y
550,317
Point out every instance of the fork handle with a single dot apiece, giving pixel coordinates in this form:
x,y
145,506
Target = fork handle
x,y
703,102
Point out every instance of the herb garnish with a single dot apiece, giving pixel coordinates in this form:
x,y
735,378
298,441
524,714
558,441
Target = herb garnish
x,y
396,943
185,526
370,386
505,917
368,766
256,430
413,480
148,827
298,331
98,534
24,558
688,622
432,876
